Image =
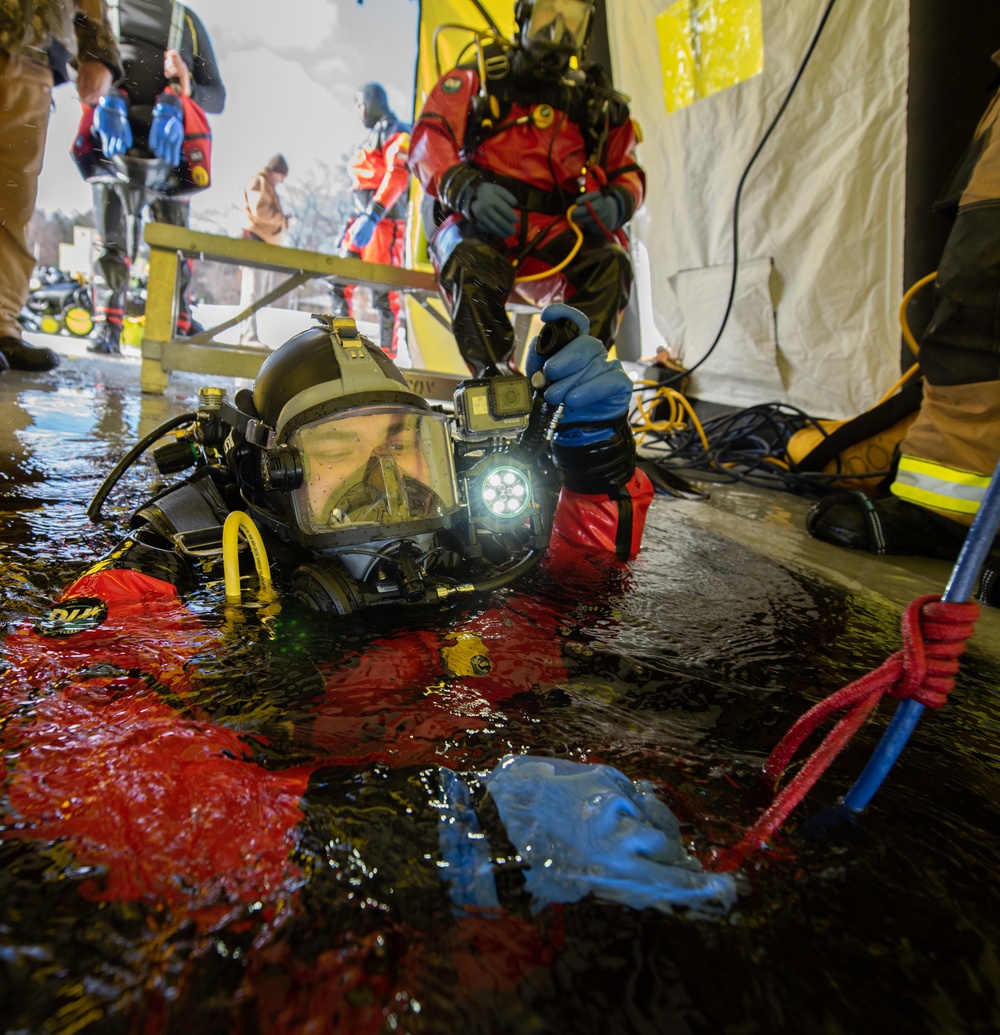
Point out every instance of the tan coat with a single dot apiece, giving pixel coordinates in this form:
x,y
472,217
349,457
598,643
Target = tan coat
x,y
262,209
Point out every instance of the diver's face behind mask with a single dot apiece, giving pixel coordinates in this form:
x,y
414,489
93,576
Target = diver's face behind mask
x,y
374,473
562,25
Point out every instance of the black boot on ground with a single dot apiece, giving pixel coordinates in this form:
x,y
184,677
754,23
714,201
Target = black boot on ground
x,y
106,339
19,355
884,526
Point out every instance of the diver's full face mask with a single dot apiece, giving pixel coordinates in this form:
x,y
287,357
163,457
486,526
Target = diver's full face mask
x,y
562,25
375,473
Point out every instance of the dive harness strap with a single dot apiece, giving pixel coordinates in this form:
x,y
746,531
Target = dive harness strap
x,y
604,467
457,191
191,515
251,429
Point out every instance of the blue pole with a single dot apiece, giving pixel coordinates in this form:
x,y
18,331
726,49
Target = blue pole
x,y
960,588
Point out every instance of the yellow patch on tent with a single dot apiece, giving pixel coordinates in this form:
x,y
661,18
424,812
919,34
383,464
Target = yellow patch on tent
x,y
707,46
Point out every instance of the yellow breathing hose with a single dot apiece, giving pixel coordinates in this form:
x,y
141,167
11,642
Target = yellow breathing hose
x,y
562,265
238,521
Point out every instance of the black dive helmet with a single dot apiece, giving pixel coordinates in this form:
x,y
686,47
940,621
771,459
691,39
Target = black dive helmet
x,y
553,31
372,103
335,453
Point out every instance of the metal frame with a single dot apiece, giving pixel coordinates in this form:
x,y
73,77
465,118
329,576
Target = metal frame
x,y
169,245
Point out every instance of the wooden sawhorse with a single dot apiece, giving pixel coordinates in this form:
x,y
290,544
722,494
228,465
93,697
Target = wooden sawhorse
x,y
170,245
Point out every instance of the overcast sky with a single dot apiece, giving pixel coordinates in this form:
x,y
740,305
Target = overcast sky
x,y
290,69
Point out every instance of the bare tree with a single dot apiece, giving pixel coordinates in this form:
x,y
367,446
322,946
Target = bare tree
x,y
320,205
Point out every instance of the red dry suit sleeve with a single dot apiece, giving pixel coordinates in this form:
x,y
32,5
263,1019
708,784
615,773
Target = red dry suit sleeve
x,y
590,523
620,165
440,130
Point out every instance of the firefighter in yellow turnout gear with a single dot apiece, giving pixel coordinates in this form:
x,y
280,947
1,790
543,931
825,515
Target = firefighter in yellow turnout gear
x,y
950,451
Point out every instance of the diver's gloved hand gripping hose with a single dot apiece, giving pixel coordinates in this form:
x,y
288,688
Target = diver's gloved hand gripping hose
x,y
593,445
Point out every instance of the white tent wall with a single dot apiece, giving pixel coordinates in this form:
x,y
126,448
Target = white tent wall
x,y
814,321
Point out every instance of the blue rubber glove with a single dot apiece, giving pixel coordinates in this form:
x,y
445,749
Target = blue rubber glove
x,y
166,134
363,229
579,830
111,125
493,210
591,386
608,208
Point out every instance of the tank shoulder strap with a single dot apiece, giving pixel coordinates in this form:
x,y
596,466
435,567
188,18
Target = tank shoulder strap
x,y
190,514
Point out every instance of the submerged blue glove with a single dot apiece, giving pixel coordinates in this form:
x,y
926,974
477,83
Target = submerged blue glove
x,y
166,134
363,229
492,209
111,125
579,830
591,386
608,208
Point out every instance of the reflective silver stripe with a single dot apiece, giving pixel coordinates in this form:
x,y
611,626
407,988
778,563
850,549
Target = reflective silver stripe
x,y
935,485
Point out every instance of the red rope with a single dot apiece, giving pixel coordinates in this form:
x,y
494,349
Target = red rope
x,y
935,634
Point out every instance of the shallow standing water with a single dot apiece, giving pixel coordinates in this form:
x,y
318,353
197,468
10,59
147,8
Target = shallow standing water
x,y
294,886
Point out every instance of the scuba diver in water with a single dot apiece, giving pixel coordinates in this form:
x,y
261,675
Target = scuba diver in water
x,y
368,496
259,789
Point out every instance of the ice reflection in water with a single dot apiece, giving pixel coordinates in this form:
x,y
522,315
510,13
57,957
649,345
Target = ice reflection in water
x,y
289,762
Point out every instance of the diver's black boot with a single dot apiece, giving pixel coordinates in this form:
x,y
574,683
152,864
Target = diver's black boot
x,y
187,326
884,526
989,579
106,339
19,355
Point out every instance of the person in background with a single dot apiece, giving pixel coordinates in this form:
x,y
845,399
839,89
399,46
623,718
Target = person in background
x,y
57,40
146,115
949,453
264,220
380,179
509,163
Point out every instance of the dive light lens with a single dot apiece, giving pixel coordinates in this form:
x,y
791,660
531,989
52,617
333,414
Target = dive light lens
x,y
505,492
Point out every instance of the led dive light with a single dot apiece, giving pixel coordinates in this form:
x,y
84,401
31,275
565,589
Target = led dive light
x,y
506,492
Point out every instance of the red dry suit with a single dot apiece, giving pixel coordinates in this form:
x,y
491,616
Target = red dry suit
x,y
380,179
547,141
112,747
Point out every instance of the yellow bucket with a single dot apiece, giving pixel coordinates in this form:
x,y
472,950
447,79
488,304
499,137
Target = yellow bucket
x,y
132,330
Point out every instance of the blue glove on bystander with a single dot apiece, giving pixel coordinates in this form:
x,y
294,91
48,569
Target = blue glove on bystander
x,y
111,125
493,210
363,229
166,134
591,386
607,208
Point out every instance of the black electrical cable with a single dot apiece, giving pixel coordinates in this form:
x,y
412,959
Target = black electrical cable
x,y
739,192
747,446
94,510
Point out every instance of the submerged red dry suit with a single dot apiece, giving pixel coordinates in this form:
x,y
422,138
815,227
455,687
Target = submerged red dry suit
x,y
192,801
